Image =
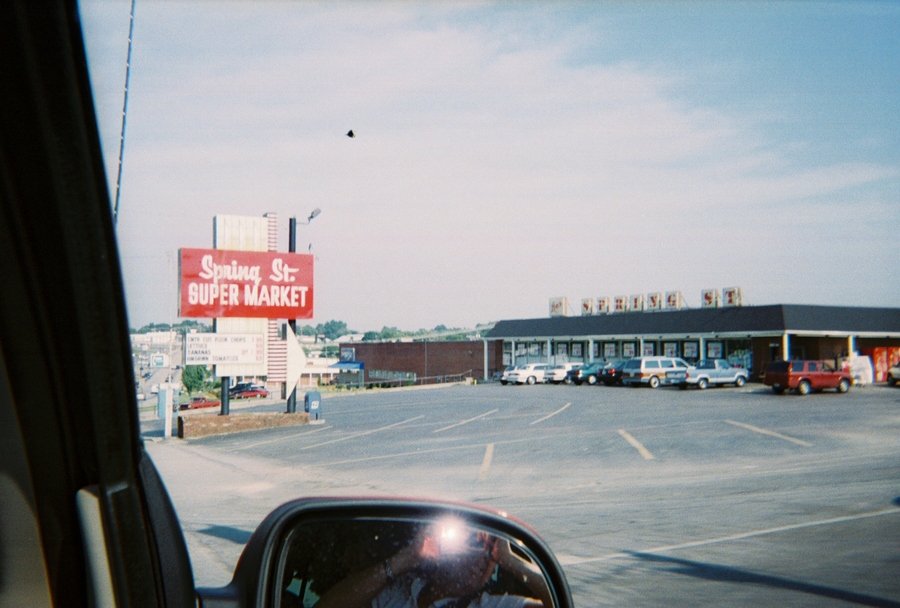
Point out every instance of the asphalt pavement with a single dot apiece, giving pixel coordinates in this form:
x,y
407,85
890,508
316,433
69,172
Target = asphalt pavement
x,y
648,497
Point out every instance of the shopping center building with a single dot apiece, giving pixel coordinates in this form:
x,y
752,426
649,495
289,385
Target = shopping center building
x,y
751,336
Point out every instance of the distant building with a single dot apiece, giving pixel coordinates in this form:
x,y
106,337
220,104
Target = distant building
x,y
422,362
349,338
154,338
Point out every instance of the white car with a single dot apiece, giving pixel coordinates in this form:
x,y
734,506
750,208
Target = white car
x,y
504,377
893,378
528,374
558,373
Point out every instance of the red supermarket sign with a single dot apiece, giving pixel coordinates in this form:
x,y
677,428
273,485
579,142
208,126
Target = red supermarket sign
x,y
219,283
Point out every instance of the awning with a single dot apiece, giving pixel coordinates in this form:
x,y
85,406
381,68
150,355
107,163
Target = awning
x,y
347,366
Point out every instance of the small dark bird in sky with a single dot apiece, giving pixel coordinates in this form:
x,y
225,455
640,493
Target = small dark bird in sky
x,y
350,133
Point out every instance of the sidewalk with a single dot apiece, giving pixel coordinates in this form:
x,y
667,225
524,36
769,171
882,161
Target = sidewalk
x,y
220,499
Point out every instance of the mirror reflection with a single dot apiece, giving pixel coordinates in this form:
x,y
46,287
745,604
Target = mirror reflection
x,y
398,564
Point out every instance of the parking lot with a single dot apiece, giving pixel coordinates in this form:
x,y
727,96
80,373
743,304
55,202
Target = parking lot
x,y
649,497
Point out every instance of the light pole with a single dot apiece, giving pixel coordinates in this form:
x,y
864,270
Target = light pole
x,y
292,248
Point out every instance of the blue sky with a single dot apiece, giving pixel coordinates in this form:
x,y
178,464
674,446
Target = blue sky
x,y
513,152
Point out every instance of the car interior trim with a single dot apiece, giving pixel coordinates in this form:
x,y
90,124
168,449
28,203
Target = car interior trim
x,y
94,536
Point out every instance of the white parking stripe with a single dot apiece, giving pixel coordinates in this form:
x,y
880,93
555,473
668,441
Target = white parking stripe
x,y
553,414
291,436
636,444
756,429
455,448
363,434
453,426
574,561
486,463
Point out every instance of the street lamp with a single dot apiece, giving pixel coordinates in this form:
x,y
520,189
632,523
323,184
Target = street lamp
x,y
292,229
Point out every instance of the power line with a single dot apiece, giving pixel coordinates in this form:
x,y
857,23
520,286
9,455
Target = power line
x,y
124,115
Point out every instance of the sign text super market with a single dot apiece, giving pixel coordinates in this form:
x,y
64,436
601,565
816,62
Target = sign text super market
x,y
218,283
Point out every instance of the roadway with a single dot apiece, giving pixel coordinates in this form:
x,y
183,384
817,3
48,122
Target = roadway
x,y
653,498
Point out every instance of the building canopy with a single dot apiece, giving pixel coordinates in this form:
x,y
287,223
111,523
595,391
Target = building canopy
x,y
748,321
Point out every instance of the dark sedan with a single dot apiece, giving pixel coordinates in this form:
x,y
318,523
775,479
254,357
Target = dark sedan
x,y
589,373
611,374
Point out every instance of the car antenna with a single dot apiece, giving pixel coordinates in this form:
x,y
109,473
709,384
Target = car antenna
x,y
124,114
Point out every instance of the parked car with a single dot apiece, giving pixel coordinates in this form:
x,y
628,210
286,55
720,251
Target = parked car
x,y
504,377
654,371
532,373
252,392
893,378
611,374
588,373
558,373
241,387
806,376
715,372
200,402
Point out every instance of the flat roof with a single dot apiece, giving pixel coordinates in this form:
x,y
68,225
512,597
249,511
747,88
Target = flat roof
x,y
748,320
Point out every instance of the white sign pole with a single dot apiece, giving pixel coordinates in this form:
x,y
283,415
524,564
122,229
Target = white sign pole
x,y
169,404
296,360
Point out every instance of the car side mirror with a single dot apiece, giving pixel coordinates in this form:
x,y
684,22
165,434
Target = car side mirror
x,y
347,552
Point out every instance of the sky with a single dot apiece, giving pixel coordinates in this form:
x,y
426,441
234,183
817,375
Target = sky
x,y
509,153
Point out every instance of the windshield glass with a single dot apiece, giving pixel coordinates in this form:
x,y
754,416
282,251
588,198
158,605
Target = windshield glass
x,y
427,166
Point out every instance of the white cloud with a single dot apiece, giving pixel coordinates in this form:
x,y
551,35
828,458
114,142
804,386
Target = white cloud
x,y
489,171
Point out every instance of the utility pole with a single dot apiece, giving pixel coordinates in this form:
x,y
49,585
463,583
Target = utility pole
x,y
292,248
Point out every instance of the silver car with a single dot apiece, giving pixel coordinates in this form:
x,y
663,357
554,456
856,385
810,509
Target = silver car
x,y
713,372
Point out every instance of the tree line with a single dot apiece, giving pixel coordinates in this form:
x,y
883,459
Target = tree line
x,y
330,330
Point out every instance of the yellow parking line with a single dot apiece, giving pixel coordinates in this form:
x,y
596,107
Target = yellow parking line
x,y
756,429
466,421
636,445
552,415
486,463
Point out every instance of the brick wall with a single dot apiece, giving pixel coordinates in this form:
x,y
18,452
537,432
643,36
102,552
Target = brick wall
x,y
427,359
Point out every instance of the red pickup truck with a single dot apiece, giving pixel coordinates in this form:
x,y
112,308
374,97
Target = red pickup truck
x,y
805,377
